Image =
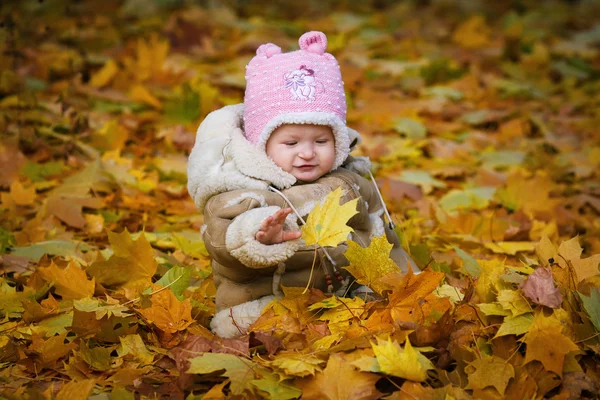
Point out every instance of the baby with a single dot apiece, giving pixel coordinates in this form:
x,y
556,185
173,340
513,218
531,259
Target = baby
x,y
258,168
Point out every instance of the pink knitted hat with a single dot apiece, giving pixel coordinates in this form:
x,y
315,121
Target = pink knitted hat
x,y
300,87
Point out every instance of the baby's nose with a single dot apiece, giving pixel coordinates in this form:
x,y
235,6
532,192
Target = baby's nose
x,y
307,152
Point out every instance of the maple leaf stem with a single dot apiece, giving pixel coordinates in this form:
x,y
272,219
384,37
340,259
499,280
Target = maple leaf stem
x,y
153,293
312,268
515,352
400,389
586,339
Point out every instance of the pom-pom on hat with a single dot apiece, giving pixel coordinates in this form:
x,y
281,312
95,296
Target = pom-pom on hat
x,y
300,87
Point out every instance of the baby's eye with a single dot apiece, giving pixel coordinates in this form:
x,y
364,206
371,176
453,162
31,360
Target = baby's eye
x,y
291,143
322,141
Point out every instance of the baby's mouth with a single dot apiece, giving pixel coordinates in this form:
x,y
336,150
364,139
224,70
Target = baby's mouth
x,y
306,166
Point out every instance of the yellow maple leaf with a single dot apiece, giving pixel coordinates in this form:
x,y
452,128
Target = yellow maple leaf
x,y
18,195
490,371
340,381
326,223
71,282
76,390
547,343
489,280
298,364
531,194
167,312
570,250
369,264
514,302
407,363
131,266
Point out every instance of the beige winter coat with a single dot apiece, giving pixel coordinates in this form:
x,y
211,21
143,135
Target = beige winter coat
x,y
229,180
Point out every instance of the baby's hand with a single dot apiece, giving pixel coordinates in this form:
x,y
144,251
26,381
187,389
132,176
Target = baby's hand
x,y
271,230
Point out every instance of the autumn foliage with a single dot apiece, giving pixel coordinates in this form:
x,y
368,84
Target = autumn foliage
x,y
482,124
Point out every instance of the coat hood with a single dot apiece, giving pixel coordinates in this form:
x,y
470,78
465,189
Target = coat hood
x,y
223,160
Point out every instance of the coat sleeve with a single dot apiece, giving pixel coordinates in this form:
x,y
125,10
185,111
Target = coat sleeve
x,y
232,220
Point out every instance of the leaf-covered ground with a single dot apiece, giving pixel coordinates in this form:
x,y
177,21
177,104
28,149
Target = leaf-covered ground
x,y
482,119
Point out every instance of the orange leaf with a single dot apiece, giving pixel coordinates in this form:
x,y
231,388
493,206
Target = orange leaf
x,y
340,381
414,288
167,312
71,282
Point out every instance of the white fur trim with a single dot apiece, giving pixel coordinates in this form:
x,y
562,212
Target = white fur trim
x,y
244,196
377,227
360,165
340,131
203,229
244,315
355,138
253,162
241,243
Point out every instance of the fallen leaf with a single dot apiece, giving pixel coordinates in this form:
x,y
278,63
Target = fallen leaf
x,y
340,381
133,346
298,364
406,362
515,325
276,387
76,390
547,343
167,312
405,298
71,283
104,75
240,371
369,264
490,371
591,304
132,265
51,350
539,287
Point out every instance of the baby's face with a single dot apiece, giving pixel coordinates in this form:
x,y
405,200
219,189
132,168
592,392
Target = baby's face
x,y
305,151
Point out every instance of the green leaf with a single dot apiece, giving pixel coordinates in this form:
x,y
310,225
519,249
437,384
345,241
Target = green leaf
x,y
501,159
410,128
185,107
39,172
443,92
591,305
7,240
473,198
476,117
62,248
54,325
276,389
181,276
515,325
101,307
423,179
470,264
